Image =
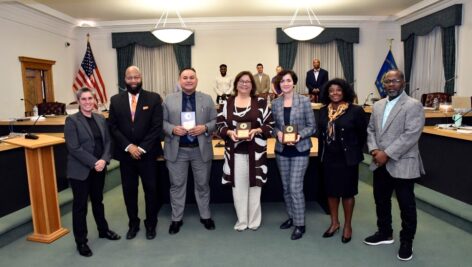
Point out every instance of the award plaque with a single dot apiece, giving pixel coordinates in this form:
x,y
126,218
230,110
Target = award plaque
x,y
242,130
188,120
289,134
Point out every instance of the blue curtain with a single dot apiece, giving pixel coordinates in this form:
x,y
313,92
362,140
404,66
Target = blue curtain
x,y
125,42
183,55
346,56
449,57
447,19
408,47
344,37
124,57
287,54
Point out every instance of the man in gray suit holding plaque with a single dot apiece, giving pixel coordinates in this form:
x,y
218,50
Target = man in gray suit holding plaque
x,y
189,120
394,129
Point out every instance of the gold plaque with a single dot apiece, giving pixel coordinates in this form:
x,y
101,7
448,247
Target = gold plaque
x,y
243,129
289,134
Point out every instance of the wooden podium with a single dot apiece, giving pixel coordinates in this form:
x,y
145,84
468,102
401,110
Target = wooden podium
x,y
42,185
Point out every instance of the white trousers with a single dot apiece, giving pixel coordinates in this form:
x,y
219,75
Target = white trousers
x,y
247,200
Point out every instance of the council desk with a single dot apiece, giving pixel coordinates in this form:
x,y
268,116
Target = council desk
x,y
14,188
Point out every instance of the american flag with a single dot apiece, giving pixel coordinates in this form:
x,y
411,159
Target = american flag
x,y
89,76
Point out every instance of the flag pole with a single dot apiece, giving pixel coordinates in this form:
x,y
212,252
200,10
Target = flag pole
x,y
390,41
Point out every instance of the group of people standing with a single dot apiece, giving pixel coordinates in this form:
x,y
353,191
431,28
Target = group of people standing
x,y
186,120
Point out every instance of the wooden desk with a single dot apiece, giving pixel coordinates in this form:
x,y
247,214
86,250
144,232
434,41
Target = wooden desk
x,y
447,162
447,133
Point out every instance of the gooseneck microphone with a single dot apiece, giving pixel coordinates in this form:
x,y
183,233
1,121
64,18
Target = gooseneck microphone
x,y
367,99
28,134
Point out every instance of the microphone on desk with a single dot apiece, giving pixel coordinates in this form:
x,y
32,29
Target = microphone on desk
x,y
367,99
30,135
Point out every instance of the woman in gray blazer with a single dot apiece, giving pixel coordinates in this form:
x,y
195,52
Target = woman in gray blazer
x,y
88,144
292,109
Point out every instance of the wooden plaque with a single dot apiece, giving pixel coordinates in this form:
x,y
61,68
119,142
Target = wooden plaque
x,y
243,129
289,134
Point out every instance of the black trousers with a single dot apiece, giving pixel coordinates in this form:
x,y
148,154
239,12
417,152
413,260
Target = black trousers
x,y
147,170
93,187
384,185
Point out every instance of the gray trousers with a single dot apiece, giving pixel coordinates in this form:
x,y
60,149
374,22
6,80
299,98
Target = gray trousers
x,y
292,172
178,173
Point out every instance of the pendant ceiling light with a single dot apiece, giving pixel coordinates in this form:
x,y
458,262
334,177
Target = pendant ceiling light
x,y
171,35
304,32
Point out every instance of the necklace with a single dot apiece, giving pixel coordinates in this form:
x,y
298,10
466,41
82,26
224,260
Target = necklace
x,y
242,113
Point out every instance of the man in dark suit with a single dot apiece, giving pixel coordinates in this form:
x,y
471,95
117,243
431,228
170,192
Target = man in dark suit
x,y
315,79
136,125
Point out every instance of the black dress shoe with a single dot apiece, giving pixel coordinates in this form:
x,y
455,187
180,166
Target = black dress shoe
x,y
84,250
174,227
133,230
150,233
345,239
287,224
208,223
110,235
298,232
330,234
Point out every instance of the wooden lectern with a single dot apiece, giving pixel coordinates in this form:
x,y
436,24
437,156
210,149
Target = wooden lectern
x,y
42,185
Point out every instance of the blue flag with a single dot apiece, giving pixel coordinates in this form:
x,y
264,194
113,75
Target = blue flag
x,y
388,64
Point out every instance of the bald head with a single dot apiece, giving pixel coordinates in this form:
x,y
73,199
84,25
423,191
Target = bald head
x,y
133,80
316,63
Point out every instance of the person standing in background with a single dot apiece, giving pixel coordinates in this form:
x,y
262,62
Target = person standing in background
x,y
136,126
223,84
262,80
315,79
276,89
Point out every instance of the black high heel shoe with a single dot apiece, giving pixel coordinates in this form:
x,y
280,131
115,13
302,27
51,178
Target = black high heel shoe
x,y
330,234
345,239
287,224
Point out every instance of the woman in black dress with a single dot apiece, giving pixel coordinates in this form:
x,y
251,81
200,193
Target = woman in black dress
x,y
342,135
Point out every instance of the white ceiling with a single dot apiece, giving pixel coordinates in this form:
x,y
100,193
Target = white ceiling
x,y
120,10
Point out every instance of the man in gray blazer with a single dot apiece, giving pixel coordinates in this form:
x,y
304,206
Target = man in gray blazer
x,y
394,129
189,120
262,80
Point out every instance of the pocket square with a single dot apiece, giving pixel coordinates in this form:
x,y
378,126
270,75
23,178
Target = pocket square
x,y
145,107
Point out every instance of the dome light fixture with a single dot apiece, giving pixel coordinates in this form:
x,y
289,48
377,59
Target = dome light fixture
x,y
304,32
171,35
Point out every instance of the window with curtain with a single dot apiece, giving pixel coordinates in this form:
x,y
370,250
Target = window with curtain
x,y
427,71
159,68
328,55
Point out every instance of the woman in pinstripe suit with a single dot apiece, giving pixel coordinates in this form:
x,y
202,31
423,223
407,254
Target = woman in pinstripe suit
x,y
292,158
